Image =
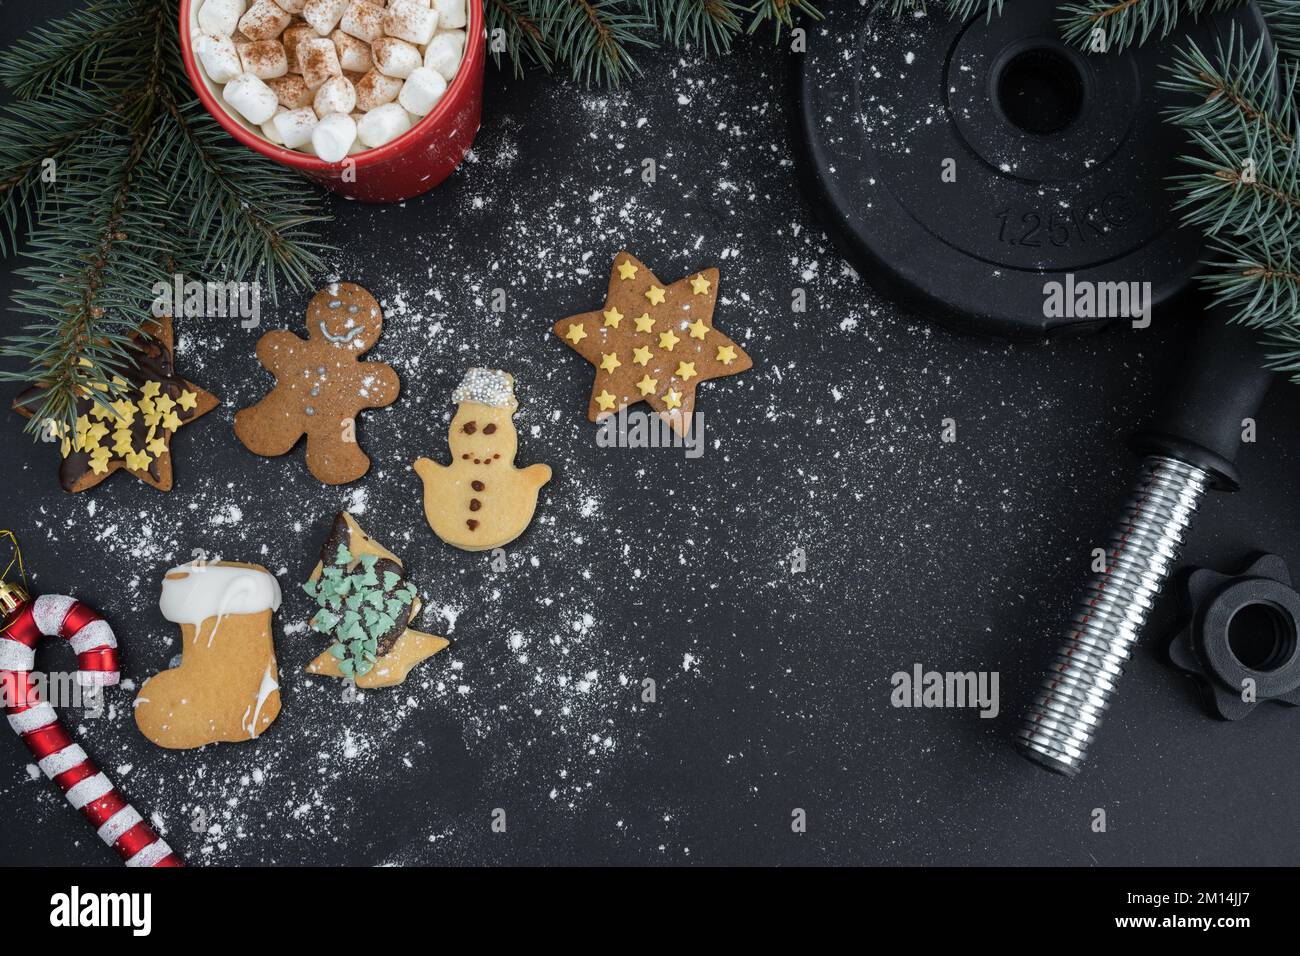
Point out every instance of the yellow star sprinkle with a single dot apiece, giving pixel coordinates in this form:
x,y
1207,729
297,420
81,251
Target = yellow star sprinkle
x,y
101,412
647,385
626,270
609,361
605,400
726,354
95,434
137,460
576,333
164,403
698,329
686,371
644,323
99,460
673,398
188,400
655,295
667,340
152,416
700,285
613,317
171,421
150,389
122,441
157,446
124,410
641,355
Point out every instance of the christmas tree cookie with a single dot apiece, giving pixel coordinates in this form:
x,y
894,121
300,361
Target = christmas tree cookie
x,y
130,424
652,342
481,500
365,603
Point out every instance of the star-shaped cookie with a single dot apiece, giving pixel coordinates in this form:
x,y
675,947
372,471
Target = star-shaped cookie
x,y
135,432
652,342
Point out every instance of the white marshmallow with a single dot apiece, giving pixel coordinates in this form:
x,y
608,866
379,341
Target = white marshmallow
x,y
295,126
334,136
323,15
444,52
336,95
292,91
363,20
263,21
394,57
250,98
219,57
291,6
382,124
220,16
358,146
318,60
410,21
292,38
375,89
265,59
269,130
451,14
422,90
354,54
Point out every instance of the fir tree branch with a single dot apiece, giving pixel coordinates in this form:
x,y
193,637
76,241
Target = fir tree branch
x,y
594,39
520,32
1243,185
1283,18
68,50
781,13
709,24
593,36
957,9
143,182
1124,23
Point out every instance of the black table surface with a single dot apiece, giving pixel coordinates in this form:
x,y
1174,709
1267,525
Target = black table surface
x,y
773,687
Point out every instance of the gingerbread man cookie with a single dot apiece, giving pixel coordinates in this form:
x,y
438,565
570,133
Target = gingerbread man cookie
x,y
320,385
481,500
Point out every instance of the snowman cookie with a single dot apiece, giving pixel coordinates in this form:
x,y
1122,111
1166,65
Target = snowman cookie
x,y
321,385
481,500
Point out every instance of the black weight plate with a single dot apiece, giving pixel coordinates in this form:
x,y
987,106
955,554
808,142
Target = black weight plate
x,y
1062,160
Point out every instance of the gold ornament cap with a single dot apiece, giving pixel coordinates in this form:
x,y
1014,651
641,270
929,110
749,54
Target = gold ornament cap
x,y
12,596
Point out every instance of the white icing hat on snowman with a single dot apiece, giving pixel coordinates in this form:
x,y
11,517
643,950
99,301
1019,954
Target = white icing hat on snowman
x,y
487,386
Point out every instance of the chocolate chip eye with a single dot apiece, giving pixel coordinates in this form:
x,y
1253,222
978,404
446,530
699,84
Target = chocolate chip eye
x,y
469,428
489,429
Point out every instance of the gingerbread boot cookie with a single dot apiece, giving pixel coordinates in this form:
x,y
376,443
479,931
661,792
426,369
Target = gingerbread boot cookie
x,y
481,500
227,686
321,385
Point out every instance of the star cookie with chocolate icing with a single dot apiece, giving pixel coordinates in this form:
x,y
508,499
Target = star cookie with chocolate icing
x,y
652,342
134,430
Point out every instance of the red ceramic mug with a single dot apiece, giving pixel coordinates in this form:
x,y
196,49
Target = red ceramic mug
x,y
412,164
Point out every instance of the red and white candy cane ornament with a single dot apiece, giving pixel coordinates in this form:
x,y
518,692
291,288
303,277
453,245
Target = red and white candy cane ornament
x,y
26,622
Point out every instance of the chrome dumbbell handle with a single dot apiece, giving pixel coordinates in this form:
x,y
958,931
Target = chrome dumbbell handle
x,y
1192,448
1079,683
